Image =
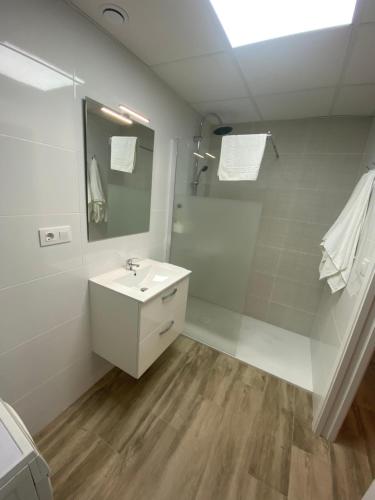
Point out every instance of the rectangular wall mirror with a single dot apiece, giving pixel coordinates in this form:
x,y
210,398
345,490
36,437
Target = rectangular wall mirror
x,y
119,161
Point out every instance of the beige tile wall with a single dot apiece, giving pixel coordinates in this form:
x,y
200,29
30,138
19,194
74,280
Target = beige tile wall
x,y
337,313
301,195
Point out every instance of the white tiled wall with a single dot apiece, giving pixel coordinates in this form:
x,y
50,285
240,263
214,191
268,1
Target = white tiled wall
x,y
300,194
45,355
336,312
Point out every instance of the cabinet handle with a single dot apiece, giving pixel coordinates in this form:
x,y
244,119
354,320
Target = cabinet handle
x,y
168,328
173,292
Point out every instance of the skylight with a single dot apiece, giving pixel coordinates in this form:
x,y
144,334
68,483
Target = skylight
x,y
251,21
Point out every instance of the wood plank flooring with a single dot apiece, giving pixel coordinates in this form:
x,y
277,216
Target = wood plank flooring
x,y
353,454
198,425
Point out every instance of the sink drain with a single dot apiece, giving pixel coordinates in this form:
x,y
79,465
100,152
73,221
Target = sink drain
x,y
144,289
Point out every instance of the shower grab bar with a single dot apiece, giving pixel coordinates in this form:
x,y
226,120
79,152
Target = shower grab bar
x,y
269,136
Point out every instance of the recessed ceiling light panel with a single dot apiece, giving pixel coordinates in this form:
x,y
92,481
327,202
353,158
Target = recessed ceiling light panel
x,y
252,21
114,14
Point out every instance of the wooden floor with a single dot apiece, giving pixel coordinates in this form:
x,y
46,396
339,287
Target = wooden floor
x,y
199,425
358,435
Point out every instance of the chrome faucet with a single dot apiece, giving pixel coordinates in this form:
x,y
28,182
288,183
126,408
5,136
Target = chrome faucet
x,y
130,264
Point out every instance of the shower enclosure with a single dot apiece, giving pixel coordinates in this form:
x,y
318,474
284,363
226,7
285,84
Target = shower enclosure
x,y
253,246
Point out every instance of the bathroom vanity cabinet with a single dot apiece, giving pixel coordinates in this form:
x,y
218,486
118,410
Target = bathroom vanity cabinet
x,y
130,333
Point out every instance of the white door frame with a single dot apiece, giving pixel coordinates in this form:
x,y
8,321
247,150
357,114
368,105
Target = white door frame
x,y
355,357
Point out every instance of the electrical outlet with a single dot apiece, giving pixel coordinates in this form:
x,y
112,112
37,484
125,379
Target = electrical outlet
x,y
54,235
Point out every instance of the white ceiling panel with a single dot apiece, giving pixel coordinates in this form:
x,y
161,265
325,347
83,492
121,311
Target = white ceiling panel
x,y
205,78
355,100
231,111
163,30
297,62
361,64
290,77
292,105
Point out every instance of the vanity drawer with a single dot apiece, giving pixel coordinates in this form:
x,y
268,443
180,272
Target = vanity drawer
x,y
169,305
156,343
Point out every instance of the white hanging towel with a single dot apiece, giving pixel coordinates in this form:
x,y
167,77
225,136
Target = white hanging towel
x,y
340,242
123,153
97,206
241,156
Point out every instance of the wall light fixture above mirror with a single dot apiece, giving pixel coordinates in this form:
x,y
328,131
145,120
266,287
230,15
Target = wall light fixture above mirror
x,y
133,114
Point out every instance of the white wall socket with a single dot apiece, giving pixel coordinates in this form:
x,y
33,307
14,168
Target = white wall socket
x,y
54,235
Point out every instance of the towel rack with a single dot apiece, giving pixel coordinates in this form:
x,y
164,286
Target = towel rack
x,y
138,146
145,148
269,135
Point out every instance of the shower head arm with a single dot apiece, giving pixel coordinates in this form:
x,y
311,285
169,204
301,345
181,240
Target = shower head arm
x,y
220,121
198,138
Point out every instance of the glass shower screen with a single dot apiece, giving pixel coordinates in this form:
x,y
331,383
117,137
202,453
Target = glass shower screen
x,y
215,239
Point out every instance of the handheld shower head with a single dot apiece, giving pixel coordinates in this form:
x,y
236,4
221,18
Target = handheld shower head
x,y
203,169
197,178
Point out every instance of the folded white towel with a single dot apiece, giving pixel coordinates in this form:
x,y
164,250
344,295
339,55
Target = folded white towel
x,y
340,242
123,153
97,206
241,156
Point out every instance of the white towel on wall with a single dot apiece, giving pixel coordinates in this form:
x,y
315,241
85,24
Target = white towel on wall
x,y
123,153
340,242
241,156
96,202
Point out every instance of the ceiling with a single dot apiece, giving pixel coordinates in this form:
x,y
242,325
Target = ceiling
x,y
321,73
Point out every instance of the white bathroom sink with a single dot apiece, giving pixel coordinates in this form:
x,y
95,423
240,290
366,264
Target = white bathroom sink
x,y
146,281
145,277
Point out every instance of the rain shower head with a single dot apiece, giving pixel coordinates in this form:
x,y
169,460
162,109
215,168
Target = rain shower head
x,y
223,130
220,130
